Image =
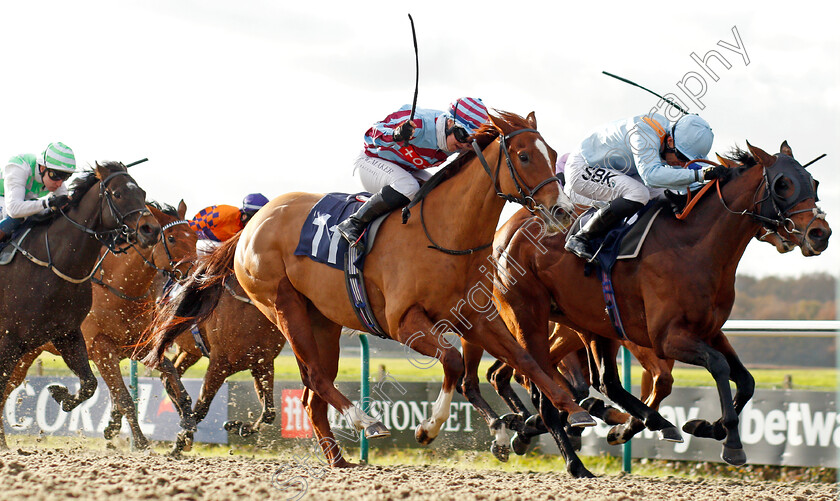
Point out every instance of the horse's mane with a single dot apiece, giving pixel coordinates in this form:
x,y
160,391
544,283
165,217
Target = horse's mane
x,y
82,184
484,135
743,157
165,208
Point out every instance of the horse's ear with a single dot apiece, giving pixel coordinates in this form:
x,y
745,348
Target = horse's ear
x,y
726,162
532,120
784,149
501,125
762,156
100,171
182,209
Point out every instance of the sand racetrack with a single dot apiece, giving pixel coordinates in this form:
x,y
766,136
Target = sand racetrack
x,y
48,474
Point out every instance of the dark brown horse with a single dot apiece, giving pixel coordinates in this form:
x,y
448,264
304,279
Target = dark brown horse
x,y
124,296
417,293
238,338
701,253
45,293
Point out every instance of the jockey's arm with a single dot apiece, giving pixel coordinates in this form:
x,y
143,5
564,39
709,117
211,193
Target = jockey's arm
x,y
649,164
15,178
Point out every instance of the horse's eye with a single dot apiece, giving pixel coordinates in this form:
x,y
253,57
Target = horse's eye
x,y
117,195
171,239
523,157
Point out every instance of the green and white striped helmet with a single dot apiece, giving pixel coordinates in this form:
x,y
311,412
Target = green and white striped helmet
x,y
59,156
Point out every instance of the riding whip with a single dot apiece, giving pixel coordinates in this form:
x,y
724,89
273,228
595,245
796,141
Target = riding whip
x,y
416,69
672,103
132,164
814,160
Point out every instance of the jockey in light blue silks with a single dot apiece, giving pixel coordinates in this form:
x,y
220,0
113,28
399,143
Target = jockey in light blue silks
x,y
397,152
628,162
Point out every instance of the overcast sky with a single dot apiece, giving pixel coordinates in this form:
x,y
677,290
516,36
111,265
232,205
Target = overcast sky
x,y
231,97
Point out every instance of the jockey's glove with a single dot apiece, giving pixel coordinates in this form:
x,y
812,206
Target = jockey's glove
x,y
404,131
710,173
57,202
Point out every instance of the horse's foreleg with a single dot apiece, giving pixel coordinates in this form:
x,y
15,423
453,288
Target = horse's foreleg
x,y
20,371
555,422
72,348
217,371
292,318
498,341
10,353
499,375
105,354
263,374
688,349
604,351
498,427
417,332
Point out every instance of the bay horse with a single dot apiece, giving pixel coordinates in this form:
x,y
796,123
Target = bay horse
x,y
568,352
45,293
418,292
124,294
701,253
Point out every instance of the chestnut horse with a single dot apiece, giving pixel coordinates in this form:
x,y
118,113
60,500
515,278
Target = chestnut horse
x,y
124,295
417,292
701,253
45,292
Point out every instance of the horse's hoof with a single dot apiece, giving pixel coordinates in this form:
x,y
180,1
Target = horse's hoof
x,y
111,432
377,430
670,434
501,451
700,428
233,425
616,435
422,436
519,444
141,444
513,421
735,457
246,430
579,471
58,392
581,419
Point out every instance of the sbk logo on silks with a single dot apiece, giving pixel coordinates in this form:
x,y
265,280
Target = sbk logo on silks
x,y
293,421
599,175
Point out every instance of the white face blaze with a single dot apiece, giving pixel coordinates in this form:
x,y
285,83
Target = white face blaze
x,y
540,144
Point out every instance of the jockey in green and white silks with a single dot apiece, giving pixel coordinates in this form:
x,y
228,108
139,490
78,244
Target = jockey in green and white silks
x,y
34,184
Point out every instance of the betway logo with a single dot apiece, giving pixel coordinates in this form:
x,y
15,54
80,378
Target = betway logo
x,y
798,426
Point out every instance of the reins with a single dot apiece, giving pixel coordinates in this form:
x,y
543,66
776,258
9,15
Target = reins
x,y
526,194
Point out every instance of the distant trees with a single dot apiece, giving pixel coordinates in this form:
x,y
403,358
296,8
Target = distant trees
x,y
808,297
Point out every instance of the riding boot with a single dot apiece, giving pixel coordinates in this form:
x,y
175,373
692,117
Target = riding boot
x,y
382,202
3,236
599,225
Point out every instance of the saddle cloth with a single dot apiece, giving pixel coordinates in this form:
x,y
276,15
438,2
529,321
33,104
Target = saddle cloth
x,y
319,239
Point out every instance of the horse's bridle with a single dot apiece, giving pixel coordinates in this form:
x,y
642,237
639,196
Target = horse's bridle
x,y
525,198
773,209
526,195
173,272
114,238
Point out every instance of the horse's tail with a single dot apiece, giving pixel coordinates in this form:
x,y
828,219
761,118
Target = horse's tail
x,y
193,303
